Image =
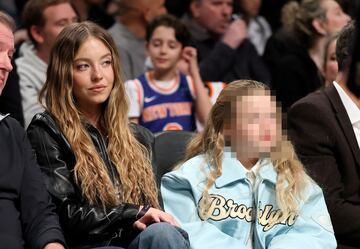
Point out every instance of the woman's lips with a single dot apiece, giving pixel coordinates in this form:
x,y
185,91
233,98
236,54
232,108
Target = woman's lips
x,y
98,88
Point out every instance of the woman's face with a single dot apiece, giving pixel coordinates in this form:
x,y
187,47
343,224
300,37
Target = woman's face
x,y
331,65
93,73
255,129
336,19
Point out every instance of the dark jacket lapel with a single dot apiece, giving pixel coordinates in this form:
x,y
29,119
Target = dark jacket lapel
x,y
343,120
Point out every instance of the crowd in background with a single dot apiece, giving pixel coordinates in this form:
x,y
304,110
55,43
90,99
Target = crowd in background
x,y
177,65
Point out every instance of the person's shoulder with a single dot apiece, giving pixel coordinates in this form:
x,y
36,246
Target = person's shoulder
x,y
312,191
142,134
44,122
43,118
190,169
317,99
7,122
10,131
187,175
130,85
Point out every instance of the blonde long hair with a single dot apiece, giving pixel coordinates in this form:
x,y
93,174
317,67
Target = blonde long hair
x,y
292,178
129,157
299,17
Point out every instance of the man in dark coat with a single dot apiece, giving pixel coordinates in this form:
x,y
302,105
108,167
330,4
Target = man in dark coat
x,y
220,39
325,129
27,218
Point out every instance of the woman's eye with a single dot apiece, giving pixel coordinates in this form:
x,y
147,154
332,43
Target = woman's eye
x,y
82,67
107,63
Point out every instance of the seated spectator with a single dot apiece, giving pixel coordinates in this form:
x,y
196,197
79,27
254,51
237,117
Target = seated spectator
x,y
259,29
330,66
27,215
223,50
242,185
97,167
43,19
129,32
165,99
325,129
298,70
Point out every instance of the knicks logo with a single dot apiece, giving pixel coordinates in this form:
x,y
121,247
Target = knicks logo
x,y
164,110
173,127
220,209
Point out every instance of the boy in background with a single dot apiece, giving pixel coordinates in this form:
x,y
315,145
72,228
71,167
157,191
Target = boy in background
x,y
163,98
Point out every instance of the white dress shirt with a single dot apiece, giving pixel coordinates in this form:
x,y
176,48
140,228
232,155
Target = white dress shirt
x,y
352,110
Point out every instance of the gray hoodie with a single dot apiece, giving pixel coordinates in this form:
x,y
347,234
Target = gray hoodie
x,y
32,75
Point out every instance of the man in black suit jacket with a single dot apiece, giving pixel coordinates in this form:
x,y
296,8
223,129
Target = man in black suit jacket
x,y
323,129
27,216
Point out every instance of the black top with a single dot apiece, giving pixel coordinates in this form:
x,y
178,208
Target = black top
x,y
84,225
27,217
294,74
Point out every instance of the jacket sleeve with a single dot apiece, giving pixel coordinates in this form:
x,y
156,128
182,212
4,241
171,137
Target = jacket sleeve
x,y
39,220
310,131
215,65
177,194
258,69
77,217
312,228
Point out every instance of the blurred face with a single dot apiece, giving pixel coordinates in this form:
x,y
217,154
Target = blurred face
x,y
56,18
6,52
163,49
250,7
93,74
254,131
155,8
336,19
214,15
331,65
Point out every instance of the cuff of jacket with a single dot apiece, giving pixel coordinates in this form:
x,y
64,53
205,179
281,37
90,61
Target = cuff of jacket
x,y
53,235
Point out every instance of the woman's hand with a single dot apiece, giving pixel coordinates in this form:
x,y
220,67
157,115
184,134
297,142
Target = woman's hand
x,y
154,216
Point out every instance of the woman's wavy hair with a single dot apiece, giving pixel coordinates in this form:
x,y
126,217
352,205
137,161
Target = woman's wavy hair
x,y
292,178
129,157
298,18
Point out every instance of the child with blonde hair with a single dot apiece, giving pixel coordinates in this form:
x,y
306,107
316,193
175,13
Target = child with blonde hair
x,y
242,184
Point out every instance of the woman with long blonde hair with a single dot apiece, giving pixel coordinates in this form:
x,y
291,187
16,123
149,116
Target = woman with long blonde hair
x,y
97,167
297,51
242,183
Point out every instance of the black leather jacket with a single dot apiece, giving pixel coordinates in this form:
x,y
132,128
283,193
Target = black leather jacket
x,y
84,225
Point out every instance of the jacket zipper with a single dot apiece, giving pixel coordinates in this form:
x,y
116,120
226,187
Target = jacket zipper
x,y
252,198
106,156
256,215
